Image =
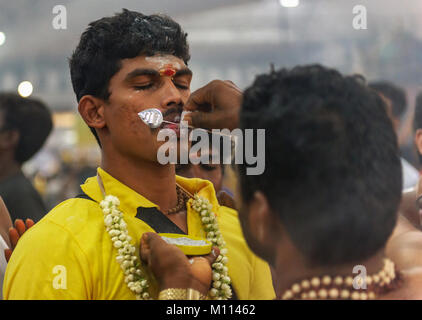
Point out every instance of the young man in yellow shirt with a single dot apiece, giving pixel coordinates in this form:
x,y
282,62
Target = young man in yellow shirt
x,y
125,64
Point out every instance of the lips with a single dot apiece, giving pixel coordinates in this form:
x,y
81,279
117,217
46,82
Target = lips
x,y
172,117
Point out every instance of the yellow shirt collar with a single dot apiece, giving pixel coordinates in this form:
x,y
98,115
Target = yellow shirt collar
x,y
130,200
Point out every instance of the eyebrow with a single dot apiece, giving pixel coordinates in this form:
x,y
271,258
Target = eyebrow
x,y
184,71
152,72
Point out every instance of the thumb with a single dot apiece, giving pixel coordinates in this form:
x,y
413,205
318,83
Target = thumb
x,y
207,120
144,247
213,255
29,223
7,254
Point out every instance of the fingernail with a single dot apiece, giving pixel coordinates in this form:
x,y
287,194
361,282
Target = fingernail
x,y
214,252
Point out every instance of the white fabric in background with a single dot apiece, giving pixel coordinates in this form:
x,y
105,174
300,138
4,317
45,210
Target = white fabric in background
x,y
410,174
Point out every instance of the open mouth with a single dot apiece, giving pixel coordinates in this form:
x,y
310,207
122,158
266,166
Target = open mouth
x,y
173,117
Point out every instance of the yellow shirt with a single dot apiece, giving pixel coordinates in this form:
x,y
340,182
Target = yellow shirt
x,y
69,255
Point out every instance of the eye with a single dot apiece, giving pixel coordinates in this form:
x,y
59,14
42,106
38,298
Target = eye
x,y
144,87
181,86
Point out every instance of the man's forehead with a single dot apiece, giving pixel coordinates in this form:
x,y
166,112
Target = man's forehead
x,y
161,61
156,62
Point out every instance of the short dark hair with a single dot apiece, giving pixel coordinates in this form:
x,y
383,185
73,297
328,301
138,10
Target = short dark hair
x,y
393,92
333,172
123,36
31,118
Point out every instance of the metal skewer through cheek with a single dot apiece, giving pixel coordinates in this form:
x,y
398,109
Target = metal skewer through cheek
x,y
190,127
154,118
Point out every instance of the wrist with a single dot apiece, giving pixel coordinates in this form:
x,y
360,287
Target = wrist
x,y
185,281
181,294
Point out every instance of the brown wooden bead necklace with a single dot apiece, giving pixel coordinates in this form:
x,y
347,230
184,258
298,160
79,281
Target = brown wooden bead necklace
x,y
182,198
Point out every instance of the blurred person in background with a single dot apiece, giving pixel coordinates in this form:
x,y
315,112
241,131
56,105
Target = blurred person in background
x,y
214,172
25,124
395,99
396,95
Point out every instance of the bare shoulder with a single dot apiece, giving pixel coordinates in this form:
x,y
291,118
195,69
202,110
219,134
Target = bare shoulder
x,y
405,245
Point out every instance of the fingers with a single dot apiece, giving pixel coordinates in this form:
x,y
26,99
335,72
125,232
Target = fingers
x,y
7,254
19,229
215,252
201,267
207,120
216,106
14,237
20,226
210,258
29,223
151,242
198,99
144,249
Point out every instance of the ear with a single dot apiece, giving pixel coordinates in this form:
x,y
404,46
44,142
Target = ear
x,y
262,222
418,140
92,111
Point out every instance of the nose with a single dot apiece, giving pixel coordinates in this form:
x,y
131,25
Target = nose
x,y
171,95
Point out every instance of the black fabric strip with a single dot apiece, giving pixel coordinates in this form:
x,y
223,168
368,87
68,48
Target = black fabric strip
x,y
151,216
157,220
84,196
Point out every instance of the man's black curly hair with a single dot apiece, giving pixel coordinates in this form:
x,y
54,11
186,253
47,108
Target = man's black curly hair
x,y
332,170
31,118
123,36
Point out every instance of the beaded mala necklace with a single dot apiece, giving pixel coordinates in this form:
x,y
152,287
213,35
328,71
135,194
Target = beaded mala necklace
x,y
327,287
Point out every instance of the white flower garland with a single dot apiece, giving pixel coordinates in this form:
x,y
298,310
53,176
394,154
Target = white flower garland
x,y
130,264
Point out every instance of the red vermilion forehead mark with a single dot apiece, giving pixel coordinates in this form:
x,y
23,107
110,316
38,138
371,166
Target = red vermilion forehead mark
x,y
167,71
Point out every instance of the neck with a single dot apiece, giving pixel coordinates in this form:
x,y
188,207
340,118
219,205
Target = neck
x,y
152,180
291,271
8,167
